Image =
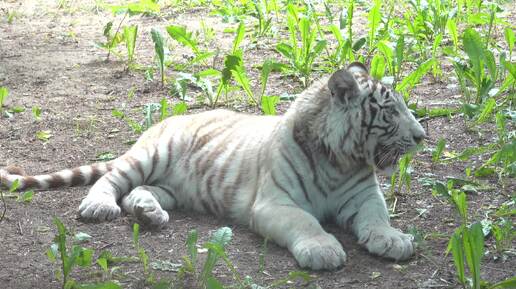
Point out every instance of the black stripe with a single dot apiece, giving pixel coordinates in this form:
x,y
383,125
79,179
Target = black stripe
x,y
155,161
306,151
298,176
77,177
169,154
276,183
126,176
169,192
136,166
114,185
95,174
213,201
349,200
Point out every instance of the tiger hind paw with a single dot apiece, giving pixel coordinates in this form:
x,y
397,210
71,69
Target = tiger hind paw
x,y
99,208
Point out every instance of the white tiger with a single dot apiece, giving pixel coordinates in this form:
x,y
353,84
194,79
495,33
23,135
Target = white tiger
x,y
281,175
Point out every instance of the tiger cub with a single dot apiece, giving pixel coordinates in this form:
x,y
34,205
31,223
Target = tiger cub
x,y
281,175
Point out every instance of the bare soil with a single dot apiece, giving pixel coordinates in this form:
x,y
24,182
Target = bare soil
x,y
48,60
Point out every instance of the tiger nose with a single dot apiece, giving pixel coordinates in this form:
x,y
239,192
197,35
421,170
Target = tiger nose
x,y
419,137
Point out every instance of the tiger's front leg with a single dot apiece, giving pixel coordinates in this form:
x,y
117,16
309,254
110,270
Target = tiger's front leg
x,y
372,227
290,226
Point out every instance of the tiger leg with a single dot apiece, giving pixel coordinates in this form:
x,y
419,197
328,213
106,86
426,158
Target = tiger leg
x,y
291,227
148,204
372,227
101,202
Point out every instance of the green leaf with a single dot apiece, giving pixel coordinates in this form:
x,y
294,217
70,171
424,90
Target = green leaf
x,y
293,275
85,257
474,48
105,285
459,199
487,112
452,29
285,50
378,66
269,104
105,156
160,51
164,109
4,92
438,150
358,44
136,235
142,6
458,255
374,17
36,112
264,76
162,284
103,263
181,35
239,36
107,29
440,189
510,38
26,197
180,108
473,240
14,186
82,237
191,245
130,33
166,266
484,171
222,236
413,78
508,283
53,252
43,135
241,78
212,283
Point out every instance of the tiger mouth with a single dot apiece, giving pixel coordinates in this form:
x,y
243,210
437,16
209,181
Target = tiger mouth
x,y
388,158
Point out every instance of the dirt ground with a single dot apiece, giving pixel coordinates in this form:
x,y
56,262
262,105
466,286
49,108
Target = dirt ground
x,y
48,60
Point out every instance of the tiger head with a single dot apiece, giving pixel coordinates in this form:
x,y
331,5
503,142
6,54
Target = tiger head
x,y
371,121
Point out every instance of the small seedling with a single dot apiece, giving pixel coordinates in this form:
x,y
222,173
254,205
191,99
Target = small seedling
x,y
4,92
160,52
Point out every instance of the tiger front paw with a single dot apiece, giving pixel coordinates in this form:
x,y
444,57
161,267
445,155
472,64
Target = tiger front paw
x,y
388,242
322,252
99,208
153,216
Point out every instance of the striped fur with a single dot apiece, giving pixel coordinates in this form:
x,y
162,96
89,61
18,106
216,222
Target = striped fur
x,y
281,175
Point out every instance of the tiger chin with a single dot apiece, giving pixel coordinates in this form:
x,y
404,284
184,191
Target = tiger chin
x,y
280,175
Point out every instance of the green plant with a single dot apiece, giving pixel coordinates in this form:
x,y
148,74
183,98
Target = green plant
x,y
301,55
439,148
474,71
160,53
4,93
73,257
234,69
261,13
137,128
142,254
36,113
130,35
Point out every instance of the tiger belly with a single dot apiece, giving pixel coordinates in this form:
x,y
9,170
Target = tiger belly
x,y
217,160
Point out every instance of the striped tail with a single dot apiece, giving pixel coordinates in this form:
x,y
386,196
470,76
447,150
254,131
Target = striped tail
x,y
79,176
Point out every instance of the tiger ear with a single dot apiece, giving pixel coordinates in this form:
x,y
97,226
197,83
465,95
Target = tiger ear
x,y
357,67
343,85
